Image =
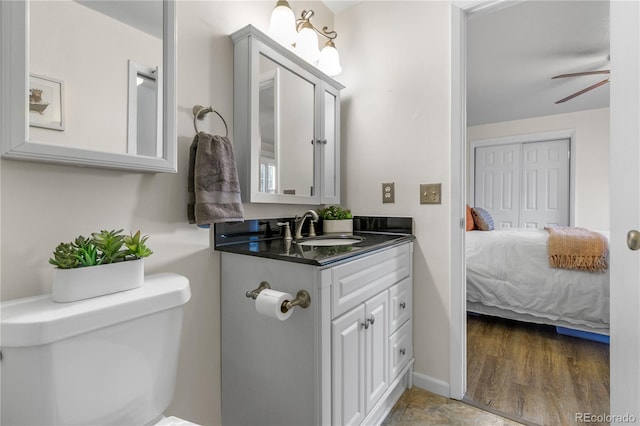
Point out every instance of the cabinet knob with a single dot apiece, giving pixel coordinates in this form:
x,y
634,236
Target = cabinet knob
x,y
403,351
369,321
403,305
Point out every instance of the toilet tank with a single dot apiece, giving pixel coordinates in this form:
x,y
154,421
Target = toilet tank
x,y
109,360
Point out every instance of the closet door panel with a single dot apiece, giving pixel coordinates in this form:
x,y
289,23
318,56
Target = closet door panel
x,y
545,194
497,183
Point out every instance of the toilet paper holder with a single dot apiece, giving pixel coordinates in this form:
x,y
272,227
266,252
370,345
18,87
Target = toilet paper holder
x,y
302,299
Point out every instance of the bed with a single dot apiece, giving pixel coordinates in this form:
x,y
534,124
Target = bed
x,y
508,275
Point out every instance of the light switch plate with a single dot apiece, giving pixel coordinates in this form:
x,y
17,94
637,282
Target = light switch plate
x,y
431,193
388,192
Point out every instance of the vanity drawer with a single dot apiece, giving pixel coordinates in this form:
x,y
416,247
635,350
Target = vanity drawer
x,y
401,347
356,281
401,304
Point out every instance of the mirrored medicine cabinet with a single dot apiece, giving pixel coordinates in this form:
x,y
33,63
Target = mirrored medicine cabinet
x,y
89,83
286,124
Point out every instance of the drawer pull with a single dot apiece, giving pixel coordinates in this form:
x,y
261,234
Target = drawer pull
x,y
403,351
403,305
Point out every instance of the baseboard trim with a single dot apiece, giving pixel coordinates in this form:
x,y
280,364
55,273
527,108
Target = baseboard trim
x,y
431,384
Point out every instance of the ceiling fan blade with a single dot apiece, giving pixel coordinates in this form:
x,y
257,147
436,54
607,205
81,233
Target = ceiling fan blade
x,y
577,74
598,84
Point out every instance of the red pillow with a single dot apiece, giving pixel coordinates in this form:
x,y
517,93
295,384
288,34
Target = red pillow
x,y
470,223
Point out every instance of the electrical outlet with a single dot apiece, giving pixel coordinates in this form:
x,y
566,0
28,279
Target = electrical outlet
x,y
388,192
431,193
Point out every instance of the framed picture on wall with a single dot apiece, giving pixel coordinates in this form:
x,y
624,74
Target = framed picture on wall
x,y
45,102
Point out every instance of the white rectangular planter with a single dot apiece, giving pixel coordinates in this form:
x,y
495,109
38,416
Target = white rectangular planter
x,y
344,226
91,281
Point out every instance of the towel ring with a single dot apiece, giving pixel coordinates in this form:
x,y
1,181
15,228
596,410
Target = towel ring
x,y
199,112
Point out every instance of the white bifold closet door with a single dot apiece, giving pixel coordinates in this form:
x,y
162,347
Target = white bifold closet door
x,y
524,185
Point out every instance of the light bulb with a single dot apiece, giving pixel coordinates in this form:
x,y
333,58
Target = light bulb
x,y
329,60
307,44
283,24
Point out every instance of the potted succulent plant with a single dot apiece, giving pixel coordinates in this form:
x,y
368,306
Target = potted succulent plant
x,y
105,263
336,220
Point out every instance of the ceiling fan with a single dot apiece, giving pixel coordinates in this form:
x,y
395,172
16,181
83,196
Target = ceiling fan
x,y
585,90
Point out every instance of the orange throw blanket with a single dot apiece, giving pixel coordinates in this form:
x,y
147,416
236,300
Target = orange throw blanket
x,y
577,248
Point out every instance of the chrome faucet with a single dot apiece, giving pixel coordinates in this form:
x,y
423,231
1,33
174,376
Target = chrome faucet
x,y
299,221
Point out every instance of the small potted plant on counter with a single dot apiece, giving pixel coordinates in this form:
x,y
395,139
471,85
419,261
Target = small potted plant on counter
x,y
108,262
336,220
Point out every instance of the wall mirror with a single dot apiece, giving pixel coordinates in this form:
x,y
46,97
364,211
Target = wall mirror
x,y
269,104
89,83
287,117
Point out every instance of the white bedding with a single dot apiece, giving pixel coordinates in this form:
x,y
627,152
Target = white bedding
x,y
508,270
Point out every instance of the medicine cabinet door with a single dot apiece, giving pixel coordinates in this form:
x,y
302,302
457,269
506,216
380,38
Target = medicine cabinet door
x,y
330,147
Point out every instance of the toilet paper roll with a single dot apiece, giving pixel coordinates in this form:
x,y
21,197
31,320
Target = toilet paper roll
x,y
269,302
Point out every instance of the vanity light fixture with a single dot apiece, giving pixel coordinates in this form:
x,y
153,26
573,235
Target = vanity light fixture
x,y
305,43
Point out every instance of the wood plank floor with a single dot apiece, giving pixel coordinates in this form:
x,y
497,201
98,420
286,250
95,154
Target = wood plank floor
x,y
532,373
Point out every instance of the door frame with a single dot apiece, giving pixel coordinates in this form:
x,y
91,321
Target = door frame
x,y
460,11
625,134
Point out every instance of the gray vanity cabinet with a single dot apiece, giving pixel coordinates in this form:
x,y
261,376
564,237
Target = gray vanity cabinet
x,y
286,124
344,360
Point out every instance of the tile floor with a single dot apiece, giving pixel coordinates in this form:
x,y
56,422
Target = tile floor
x,y
417,407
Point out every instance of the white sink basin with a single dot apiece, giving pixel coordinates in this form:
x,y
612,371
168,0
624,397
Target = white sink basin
x,y
325,241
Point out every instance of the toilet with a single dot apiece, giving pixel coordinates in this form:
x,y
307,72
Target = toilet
x,y
108,360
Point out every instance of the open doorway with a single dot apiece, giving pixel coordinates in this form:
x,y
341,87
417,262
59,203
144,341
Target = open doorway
x,y
495,343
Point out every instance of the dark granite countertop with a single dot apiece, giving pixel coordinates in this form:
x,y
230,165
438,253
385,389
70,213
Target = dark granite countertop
x,y
262,238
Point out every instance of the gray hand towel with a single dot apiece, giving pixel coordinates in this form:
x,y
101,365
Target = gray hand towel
x,y
214,190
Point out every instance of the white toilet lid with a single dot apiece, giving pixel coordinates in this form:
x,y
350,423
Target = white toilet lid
x,y
174,421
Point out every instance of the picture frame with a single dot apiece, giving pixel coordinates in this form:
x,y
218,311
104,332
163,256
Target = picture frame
x,y
46,97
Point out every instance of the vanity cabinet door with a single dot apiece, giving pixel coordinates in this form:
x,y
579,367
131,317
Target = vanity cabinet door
x,y
360,359
348,365
377,348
